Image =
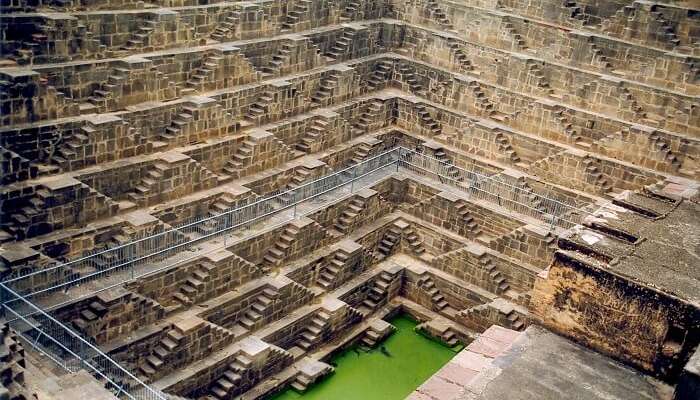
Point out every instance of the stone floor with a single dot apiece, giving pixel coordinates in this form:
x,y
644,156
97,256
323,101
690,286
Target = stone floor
x,y
535,364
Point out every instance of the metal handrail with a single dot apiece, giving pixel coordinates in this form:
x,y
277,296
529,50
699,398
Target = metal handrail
x,y
80,351
134,277
200,222
554,209
489,178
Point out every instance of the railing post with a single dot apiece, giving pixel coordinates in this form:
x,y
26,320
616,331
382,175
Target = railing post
x,y
352,182
4,298
295,210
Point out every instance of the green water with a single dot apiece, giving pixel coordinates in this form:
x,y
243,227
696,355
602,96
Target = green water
x,y
375,375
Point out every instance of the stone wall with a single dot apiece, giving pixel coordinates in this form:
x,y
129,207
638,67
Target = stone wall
x,y
224,272
290,296
112,314
578,299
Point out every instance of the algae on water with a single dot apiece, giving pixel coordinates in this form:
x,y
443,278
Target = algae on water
x,y
406,361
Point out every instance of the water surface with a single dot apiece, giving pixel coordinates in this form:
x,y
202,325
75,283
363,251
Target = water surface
x,y
408,360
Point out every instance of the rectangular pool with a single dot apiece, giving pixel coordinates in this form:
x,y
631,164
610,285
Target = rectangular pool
x,y
390,372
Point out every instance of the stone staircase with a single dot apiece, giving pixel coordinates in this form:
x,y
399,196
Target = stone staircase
x,y
574,11
365,150
106,259
368,117
665,28
95,310
105,97
378,294
377,331
506,149
324,93
67,104
15,167
516,38
592,170
179,124
427,119
226,30
427,284
72,149
342,46
312,333
380,75
482,103
497,279
188,292
449,337
241,158
257,310
256,361
516,323
316,130
279,251
34,209
224,203
351,11
349,214
500,312
23,221
328,275
96,320
13,364
564,120
203,74
446,165
310,371
629,103
29,48
599,59
535,199
296,15
587,90
537,77
258,109
388,243
408,76
160,355
153,176
663,149
436,12
415,243
158,182
279,60
141,38
224,387
461,57
301,175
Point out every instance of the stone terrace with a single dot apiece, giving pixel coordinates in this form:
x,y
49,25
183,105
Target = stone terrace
x,y
124,119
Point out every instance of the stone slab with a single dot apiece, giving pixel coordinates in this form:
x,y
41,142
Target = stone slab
x,y
534,365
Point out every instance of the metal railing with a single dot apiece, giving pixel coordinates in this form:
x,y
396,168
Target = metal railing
x,y
133,259
70,351
494,189
127,262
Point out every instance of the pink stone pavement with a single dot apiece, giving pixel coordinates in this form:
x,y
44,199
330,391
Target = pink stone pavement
x,y
470,370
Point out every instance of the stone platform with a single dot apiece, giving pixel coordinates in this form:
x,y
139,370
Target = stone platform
x,y
535,364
